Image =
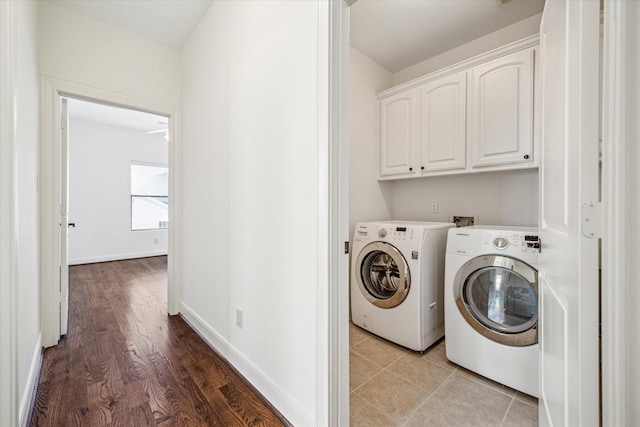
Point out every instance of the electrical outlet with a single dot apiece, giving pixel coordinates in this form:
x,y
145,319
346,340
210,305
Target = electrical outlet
x,y
239,318
434,207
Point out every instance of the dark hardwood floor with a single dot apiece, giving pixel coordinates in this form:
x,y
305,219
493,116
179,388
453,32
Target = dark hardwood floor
x,y
124,362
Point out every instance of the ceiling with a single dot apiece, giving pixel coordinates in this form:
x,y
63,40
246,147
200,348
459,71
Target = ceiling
x,y
400,33
169,22
394,33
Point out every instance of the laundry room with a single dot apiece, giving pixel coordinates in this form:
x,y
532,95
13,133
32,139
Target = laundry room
x,y
399,174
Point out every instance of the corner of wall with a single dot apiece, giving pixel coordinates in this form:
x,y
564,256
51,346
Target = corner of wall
x,y
31,387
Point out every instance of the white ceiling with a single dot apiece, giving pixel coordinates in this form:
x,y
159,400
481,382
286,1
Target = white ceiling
x,y
400,33
394,33
115,116
169,22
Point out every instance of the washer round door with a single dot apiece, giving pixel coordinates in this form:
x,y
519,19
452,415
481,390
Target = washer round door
x,y
383,274
498,296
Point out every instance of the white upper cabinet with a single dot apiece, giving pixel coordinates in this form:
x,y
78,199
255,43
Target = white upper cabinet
x,y
500,109
397,134
442,122
475,116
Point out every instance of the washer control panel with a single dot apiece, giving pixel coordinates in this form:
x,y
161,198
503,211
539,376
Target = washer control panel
x,y
396,232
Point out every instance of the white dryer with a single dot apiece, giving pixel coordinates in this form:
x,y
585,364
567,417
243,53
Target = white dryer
x,y
491,303
397,281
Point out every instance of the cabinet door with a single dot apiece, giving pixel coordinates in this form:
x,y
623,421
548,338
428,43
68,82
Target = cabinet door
x,y
501,110
397,134
442,123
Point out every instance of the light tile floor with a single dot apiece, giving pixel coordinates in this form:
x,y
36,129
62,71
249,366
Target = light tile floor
x,y
394,386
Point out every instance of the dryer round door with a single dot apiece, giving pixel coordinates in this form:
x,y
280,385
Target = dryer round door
x,y
498,296
383,274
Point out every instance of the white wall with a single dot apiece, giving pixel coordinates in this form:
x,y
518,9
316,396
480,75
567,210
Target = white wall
x,y
27,145
100,159
251,196
498,198
368,198
82,50
525,28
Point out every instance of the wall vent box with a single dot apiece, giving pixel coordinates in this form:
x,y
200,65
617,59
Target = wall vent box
x,y
464,220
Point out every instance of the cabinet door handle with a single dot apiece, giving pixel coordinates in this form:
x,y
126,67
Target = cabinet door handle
x,y
410,169
526,156
421,167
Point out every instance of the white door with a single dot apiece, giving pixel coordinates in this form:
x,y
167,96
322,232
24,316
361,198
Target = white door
x,y
569,179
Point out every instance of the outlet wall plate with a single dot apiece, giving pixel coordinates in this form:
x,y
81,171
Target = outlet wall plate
x,y
239,318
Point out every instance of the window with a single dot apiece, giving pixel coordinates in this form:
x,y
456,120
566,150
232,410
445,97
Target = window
x,y
149,196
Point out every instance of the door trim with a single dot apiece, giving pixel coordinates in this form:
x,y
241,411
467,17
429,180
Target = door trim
x,y
619,251
8,217
333,303
50,179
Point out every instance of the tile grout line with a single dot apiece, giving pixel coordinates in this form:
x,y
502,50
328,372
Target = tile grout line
x,y
478,381
370,403
462,373
504,418
429,396
525,401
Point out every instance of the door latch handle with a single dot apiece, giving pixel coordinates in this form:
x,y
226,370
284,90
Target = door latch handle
x,y
71,224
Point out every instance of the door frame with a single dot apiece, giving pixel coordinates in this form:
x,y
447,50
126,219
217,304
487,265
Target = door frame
x,y
333,160
8,217
619,248
50,185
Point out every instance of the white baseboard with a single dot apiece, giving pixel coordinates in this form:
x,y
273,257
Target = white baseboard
x,y
278,397
32,383
114,257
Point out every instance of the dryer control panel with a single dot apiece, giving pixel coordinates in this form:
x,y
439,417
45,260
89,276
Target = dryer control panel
x,y
512,242
519,242
516,244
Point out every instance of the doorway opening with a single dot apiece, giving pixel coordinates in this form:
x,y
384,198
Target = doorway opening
x,y
117,186
118,183
105,189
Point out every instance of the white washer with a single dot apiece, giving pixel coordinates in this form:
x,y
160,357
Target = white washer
x,y
491,303
397,280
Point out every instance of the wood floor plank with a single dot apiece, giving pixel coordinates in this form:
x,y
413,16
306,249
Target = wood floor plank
x,y
125,362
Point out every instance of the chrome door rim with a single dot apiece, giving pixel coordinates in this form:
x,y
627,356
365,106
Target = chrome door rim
x,y
404,282
469,269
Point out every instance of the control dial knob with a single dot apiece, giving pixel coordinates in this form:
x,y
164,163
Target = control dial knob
x,y
500,243
382,232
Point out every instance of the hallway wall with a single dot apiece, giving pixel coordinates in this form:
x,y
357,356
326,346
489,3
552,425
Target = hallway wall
x,y
27,135
82,50
20,351
252,146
